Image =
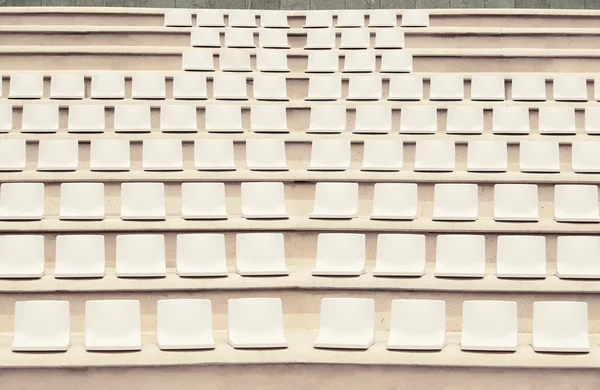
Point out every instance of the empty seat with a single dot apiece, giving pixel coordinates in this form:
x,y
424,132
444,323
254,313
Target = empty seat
x,y
382,155
198,60
335,201
576,203
205,37
255,323
356,38
397,61
487,156
516,202
268,119
415,18
82,201
487,87
140,255
364,88
455,202
260,254
418,120
274,19
132,118
110,155
528,88
271,60
84,118
350,18
67,86
521,257
42,326
322,61
570,89
346,323
176,17
239,38
489,326
273,39
113,325
242,18
184,324
58,155
592,120
539,156
22,256
557,120
320,39
417,324
12,155
359,61
373,119
510,120
210,18
382,18
577,257
142,201
435,155
464,120
148,86
400,255
223,119
6,124
232,60
405,87
270,87
189,86
318,19
389,38
80,256
324,88
178,119
446,87
460,255
162,155
340,254
107,86
38,118
266,155
395,201
560,327
22,201
263,200
203,201
214,155
230,87
329,155
325,118
585,156
201,254
26,86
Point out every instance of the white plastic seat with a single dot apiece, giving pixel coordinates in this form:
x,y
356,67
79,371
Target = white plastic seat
x,y
214,155
189,86
273,19
26,86
42,326
22,201
596,89
560,327
487,88
178,118
82,201
270,87
335,201
356,38
205,37
113,325
397,61
322,61
12,155
203,201
320,39
318,19
242,18
230,87
557,120
110,155
389,38
177,17
382,18
268,119
487,156
516,202
326,118
260,254
373,119
460,255
359,61
340,254
570,89
576,203
239,38
58,155
148,86
405,87
325,88
510,120
415,18
446,87
539,156
184,324
489,326
198,60
133,118
6,123
140,255
84,118
417,324
329,155
350,18
273,39
141,201
263,200
464,120
38,118
223,119
255,323
210,18
418,119
346,323
364,88
234,60
271,60
266,155
455,202
577,257
592,119
395,201
382,155
585,156
528,88
400,255
107,86
162,155
435,155
80,256
201,254
521,257
67,86
22,256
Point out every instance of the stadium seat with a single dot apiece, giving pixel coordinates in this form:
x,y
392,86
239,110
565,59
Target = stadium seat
x,y
516,202
364,88
189,86
13,155
417,324
539,156
577,257
242,18
382,18
418,119
350,18
373,119
42,326
82,201
570,89
464,120
455,202
446,87
6,124
346,323
263,200
557,120
273,19
560,327
510,120
327,118
382,155
223,119
255,323
460,255
487,156
22,201
435,155
201,254
318,19
271,60
233,60
528,88
356,38
597,89
26,86
230,87
266,155
340,254
268,119
113,325
325,88
198,60
210,18
162,155
205,37
80,256
214,155
177,17
330,155
335,201
84,118
148,86
489,326
396,201
260,254
270,87
40,118
178,119
487,88
415,18
592,120
133,118
67,86
359,61
22,256
203,201
389,38
521,257
58,155
143,201
110,155
576,203
140,255
239,38
585,156
184,324
397,61
273,39
405,87
320,39
400,255
107,86
322,61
